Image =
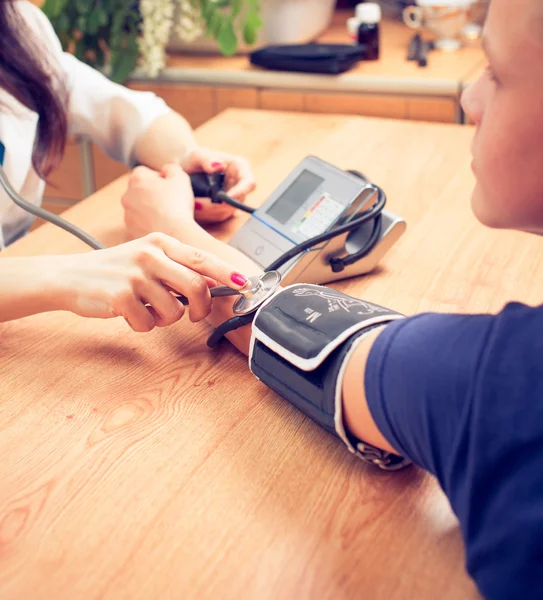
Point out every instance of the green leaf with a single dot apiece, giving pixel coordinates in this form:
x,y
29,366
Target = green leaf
x,y
93,23
81,24
82,6
251,27
103,17
115,39
124,61
226,39
254,19
62,24
53,8
208,12
215,24
250,34
237,5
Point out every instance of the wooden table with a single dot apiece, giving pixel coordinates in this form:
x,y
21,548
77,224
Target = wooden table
x,y
149,467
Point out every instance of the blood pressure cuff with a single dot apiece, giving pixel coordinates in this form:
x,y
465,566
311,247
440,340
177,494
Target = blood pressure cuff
x,y
302,339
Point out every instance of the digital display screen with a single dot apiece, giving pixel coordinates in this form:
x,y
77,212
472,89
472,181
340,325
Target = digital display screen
x,y
316,217
295,196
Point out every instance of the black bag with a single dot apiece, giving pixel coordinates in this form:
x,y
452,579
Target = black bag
x,y
331,59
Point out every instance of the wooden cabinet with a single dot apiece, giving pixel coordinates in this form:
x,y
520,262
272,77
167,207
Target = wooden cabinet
x,y
105,169
370,105
442,110
235,97
195,102
66,181
282,100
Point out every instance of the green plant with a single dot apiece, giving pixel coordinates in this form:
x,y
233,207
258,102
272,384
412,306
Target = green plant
x,y
115,34
98,32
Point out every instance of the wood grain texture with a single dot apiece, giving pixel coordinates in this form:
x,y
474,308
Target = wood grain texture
x,y
235,97
148,467
195,102
437,110
281,100
441,110
372,105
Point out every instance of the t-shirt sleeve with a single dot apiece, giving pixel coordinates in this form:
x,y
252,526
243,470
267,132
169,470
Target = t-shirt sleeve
x,y
462,396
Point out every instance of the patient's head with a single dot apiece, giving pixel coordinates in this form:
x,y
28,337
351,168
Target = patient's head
x,y
506,104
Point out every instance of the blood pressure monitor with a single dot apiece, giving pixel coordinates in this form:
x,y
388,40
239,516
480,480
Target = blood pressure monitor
x,y
315,198
321,224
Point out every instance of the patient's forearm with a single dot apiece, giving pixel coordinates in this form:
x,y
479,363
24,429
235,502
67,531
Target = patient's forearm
x,y
358,419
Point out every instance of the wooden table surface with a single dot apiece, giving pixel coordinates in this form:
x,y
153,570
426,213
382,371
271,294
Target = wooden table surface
x,y
149,467
392,73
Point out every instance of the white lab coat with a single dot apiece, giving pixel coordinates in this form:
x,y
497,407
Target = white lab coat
x,y
112,115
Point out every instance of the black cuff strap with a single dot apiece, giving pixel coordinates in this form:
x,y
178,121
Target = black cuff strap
x,y
231,325
302,340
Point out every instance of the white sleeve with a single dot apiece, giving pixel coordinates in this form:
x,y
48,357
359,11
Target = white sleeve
x,y
111,114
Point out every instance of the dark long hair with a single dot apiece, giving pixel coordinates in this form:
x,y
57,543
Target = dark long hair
x,y
26,76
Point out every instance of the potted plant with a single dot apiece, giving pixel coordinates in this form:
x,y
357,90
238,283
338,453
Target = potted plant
x,y
114,35
283,22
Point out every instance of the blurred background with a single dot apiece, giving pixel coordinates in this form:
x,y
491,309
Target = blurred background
x,y
197,56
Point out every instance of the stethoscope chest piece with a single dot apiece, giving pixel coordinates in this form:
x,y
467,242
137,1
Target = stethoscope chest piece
x,y
258,291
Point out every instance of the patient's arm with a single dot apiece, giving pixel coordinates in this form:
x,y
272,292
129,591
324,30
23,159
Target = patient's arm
x,y
155,203
357,415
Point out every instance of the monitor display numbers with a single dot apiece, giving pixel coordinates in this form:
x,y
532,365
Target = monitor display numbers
x,y
318,217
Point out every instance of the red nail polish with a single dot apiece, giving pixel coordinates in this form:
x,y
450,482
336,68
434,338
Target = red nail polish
x,y
198,206
216,165
239,279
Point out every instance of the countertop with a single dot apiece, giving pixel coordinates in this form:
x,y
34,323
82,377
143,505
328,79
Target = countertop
x,y
391,74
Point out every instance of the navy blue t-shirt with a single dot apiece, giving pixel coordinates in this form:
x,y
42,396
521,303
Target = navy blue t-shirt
x,y
462,397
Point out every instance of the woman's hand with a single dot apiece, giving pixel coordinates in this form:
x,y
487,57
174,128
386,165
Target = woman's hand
x,y
158,202
239,181
134,280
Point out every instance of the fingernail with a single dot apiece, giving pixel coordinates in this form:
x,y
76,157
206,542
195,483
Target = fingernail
x,y
216,165
198,206
239,279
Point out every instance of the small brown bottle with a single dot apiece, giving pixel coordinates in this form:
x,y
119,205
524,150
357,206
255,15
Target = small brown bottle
x,y
368,16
